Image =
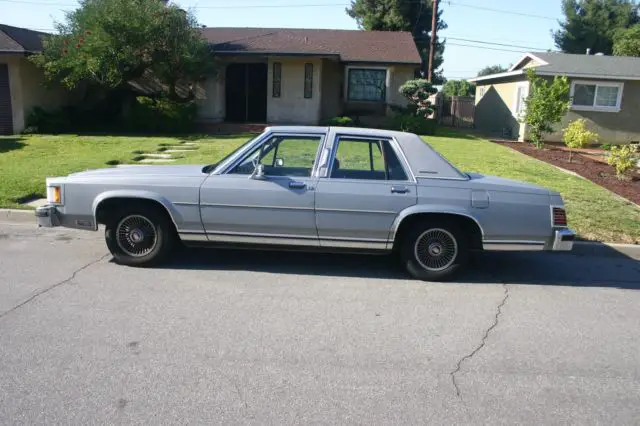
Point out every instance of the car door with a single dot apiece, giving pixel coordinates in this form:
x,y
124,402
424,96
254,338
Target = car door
x,y
366,185
274,208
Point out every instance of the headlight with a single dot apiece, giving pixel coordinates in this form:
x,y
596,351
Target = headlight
x,y
54,194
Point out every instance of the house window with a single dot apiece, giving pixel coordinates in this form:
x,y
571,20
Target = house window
x,y
519,106
308,81
596,96
367,85
277,79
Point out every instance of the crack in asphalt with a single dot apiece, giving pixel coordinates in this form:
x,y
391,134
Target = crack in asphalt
x,y
53,286
482,342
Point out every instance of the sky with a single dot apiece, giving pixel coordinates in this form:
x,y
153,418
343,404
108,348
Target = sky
x,y
479,33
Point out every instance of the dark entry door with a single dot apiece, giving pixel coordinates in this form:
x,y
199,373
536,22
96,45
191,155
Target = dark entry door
x,y
6,117
246,92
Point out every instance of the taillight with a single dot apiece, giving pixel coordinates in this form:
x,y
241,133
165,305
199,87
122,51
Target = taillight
x,y
559,216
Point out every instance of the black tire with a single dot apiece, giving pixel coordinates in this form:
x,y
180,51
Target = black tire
x,y
422,243
157,239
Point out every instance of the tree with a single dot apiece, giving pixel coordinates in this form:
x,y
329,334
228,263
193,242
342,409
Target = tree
x,y
627,42
491,69
417,93
458,88
546,105
109,43
403,15
593,24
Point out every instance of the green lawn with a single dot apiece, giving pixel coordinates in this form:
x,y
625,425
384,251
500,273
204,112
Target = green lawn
x,y
25,161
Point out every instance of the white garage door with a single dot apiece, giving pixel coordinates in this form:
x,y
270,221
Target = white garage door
x,y
6,122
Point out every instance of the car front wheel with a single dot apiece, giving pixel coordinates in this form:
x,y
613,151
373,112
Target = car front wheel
x,y
139,237
434,251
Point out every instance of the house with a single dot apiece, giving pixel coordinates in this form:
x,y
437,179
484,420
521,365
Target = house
x,y
22,83
605,91
303,76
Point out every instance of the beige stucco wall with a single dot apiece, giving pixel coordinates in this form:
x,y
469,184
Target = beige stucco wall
x,y
26,83
292,107
495,109
400,74
612,127
210,97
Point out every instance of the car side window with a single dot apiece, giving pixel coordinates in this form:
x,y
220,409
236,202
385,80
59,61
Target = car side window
x,y
282,156
368,159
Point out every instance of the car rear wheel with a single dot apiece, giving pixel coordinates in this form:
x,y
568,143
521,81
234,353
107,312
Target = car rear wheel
x,y
141,236
434,251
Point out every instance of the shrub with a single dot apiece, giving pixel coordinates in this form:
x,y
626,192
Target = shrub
x,y
576,135
162,115
40,120
417,93
339,122
622,158
412,124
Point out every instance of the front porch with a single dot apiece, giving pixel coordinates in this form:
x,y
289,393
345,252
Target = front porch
x,y
297,90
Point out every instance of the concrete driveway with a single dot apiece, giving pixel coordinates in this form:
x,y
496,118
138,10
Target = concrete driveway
x,y
241,337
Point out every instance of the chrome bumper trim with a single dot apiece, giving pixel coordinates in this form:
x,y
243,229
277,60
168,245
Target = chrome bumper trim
x,y
47,216
563,240
513,245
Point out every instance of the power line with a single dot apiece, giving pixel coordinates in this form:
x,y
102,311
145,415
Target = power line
x,y
261,6
506,12
495,44
486,48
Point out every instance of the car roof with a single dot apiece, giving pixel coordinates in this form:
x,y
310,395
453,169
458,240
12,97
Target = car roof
x,y
423,160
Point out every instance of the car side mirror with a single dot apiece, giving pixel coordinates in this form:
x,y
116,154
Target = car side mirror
x,y
258,172
279,162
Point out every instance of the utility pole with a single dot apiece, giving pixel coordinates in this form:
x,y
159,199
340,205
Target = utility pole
x,y
432,42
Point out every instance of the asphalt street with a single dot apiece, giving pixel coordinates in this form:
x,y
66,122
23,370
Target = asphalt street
x,y
244,337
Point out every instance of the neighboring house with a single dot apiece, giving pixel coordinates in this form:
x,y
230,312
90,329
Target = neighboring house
x,y
21,82
303,76
605,90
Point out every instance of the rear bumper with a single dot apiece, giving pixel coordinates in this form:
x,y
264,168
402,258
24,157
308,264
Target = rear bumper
x,y
563,240
47,216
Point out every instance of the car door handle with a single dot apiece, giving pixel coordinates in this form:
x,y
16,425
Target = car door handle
x,y
297,185
399,189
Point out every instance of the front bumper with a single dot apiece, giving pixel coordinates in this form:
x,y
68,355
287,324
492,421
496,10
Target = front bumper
x,y
563,240
47,216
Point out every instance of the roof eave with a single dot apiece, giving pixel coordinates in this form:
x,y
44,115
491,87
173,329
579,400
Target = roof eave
x,y
496,76
587,75
347,61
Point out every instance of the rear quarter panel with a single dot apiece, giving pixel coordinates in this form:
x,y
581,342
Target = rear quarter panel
x,y
506,216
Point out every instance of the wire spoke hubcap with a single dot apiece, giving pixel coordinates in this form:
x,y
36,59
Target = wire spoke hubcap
x,y
436,249
136,235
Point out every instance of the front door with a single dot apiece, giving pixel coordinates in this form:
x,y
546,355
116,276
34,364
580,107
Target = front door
x,y
246,93
274,208
366,187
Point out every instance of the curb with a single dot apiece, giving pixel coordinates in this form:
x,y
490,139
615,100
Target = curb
x,y
17,216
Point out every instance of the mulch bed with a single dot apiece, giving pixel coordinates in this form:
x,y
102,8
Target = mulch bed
x,y
596,171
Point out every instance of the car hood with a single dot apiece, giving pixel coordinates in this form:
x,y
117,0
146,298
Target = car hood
x,y
507,185
143,170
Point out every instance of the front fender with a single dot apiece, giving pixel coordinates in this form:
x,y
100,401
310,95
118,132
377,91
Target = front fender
x,y
175,215
417,209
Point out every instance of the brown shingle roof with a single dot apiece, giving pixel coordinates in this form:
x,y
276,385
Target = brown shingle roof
x,y
349,45
19,40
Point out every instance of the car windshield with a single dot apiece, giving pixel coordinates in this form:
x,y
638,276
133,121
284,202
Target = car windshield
x,y
211,167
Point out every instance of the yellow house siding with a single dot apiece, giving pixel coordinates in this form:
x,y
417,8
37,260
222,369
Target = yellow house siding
x,y
292,107
495,108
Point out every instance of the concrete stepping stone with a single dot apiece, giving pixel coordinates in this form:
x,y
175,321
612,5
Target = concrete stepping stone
x,y
166,156
179,150
157,160
37,202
